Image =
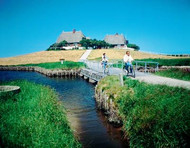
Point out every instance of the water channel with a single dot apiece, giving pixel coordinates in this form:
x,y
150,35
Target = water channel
x,y
88,124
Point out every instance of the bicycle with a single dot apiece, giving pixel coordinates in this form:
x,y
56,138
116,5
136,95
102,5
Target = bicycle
x,y
129,72
105,67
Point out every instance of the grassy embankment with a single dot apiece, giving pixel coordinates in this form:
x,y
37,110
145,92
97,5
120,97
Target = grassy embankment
x,y
58,65
34,118
153,115
175,73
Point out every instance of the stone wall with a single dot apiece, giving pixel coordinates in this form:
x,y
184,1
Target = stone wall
x,y
107,105
47,72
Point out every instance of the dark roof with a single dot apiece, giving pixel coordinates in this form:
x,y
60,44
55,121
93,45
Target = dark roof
x,y
70,37
115,39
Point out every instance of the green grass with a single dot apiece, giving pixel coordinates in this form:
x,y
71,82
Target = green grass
x,y
96,59
153,115
34,118
170,62
175,73
58,65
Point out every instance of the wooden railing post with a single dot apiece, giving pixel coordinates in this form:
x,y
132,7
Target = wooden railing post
x,y
145,67
157,67
121,79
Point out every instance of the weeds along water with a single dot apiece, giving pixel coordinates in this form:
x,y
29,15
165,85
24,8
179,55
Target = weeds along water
x,y
153,115
34,118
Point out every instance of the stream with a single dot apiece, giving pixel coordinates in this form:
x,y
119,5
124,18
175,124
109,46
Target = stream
x,y
89,124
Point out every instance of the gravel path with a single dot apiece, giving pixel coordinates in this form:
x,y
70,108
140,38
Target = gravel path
x,y
143,77
154,79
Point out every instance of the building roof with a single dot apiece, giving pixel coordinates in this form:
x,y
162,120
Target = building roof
x,y
70,37
115,39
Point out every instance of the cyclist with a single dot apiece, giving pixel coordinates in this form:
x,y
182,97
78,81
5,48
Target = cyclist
x,y
104,61
128,61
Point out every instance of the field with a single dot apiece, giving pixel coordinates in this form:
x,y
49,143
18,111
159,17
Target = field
x,y
34,118
43,57
58,65
119,53
153,115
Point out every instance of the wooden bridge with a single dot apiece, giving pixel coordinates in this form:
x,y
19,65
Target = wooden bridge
x,y
93,76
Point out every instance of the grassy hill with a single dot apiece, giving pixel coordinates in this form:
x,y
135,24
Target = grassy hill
x,y
119,53
43,57
74,55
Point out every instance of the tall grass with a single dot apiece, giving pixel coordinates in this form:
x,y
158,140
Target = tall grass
x,y
153,115
34,118
175,73
58,65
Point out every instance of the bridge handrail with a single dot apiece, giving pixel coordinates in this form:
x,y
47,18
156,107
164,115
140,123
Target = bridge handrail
x,y
116,64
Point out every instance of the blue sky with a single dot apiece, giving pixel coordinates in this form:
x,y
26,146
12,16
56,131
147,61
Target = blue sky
x,y
160,26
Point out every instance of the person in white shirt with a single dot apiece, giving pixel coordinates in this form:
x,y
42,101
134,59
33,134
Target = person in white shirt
x,y
128,61
104,61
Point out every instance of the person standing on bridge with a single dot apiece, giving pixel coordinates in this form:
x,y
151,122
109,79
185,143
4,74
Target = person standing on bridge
x,y
104,61
128,61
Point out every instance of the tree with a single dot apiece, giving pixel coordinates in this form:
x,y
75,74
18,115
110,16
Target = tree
x,y
94,43
62,43
133,46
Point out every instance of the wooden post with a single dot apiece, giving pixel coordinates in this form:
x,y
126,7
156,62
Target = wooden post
x,y
157,67
121,79
145,67
62,60
136,65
